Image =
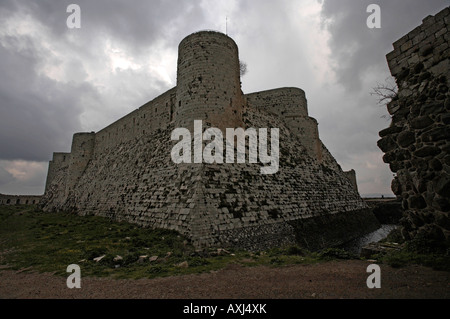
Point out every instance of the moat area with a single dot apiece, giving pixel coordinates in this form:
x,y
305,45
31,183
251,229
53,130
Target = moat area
x,y
354,246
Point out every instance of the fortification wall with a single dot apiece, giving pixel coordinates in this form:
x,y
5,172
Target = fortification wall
x,y
225,204
290,104
351,175
153,115
285,102
125,171
59,161
417,143
80,155
19,199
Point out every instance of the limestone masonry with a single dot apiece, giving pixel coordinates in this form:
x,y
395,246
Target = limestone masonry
x,y
125,171
417,143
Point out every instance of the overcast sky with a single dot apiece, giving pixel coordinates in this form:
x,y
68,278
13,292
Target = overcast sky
x,y
56,81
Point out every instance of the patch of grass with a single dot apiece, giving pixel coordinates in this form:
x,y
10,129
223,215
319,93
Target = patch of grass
x,y
49,242
336,253
52,241
408,256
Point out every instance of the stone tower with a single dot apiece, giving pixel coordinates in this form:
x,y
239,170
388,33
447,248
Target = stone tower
x,y
208,81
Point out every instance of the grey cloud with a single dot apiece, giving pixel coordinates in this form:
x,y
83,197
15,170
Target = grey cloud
x,y
356,49
5,176
37,114
137,24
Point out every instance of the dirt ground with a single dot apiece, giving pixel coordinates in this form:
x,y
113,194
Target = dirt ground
x,y
329,280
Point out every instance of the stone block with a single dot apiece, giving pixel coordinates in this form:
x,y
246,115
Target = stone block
x,y
406,138
397,44
421,122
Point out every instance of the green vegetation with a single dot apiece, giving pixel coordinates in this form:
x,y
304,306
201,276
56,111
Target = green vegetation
x,y
407,256
49,242
417,251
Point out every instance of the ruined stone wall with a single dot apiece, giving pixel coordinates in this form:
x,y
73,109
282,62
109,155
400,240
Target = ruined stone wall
x,y
417,143
19,199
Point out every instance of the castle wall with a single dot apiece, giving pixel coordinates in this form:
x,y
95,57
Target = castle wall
x,y
80,155
19,199
417,143
59,161
291,105
125,171
285,102
351,175
151,116
208,81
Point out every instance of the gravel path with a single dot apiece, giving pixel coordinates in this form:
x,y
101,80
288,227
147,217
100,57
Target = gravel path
x,y
335,279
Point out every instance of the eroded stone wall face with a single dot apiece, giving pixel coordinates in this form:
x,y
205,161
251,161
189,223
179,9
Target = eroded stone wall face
x,y
417,143
80,156
208,82
151,116
284,102
54,166
290,104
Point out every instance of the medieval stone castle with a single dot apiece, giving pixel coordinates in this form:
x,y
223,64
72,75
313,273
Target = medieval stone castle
x,y
125,171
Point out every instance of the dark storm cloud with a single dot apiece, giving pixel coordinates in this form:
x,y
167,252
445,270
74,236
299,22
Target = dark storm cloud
x,y
37,113
5,176
355,48
135,23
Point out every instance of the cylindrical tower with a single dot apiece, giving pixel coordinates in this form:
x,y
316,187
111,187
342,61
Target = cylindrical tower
x,y
208,81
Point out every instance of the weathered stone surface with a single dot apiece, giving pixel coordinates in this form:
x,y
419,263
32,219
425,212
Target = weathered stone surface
x,y
405,139
422,111
417,201
390,130
442,185
427,151
386,144
421,122
19,199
